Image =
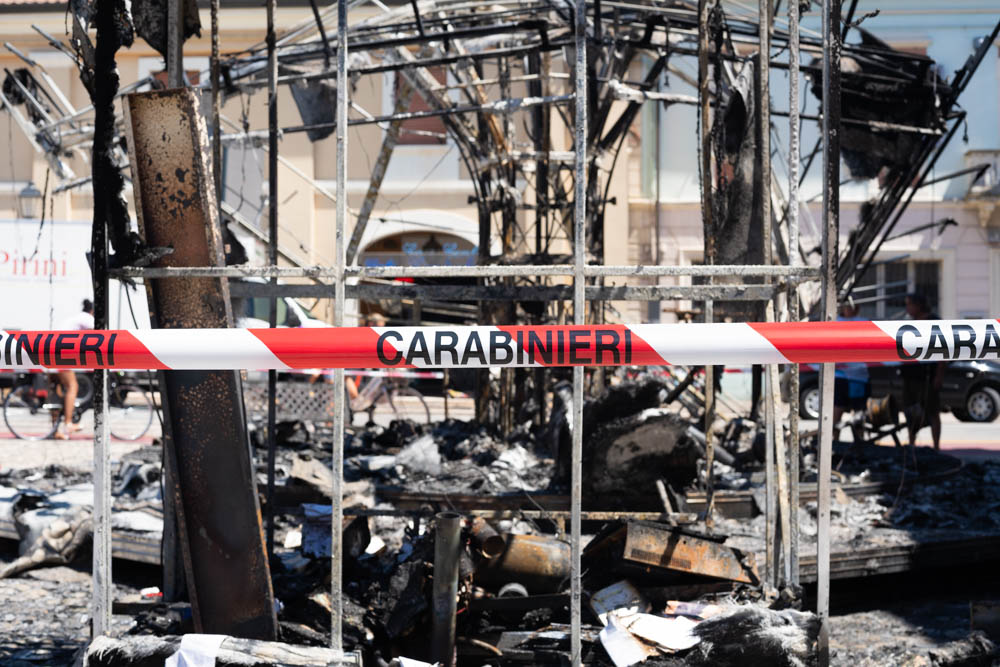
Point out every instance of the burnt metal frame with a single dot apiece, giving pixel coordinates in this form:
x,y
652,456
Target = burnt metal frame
x,y
579,273
830,47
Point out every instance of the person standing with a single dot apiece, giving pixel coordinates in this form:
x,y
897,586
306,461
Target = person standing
x,y
851,385
922,381
81,321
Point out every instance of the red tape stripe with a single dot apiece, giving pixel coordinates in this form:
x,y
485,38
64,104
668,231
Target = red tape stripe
x,y
804,342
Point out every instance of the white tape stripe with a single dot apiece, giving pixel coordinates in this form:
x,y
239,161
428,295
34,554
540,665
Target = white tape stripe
x,y
201,348
695,344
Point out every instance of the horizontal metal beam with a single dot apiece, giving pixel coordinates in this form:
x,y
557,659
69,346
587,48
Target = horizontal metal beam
x,y
512,293
484,271
498,107
501,514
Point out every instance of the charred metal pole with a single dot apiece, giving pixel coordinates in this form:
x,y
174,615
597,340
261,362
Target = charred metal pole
x,y
831,227
793,292
101,582
653,311
708,231
337,462
447,552
579,257
109,208
272,256
214,72
175,43
764,185
538,62
322,33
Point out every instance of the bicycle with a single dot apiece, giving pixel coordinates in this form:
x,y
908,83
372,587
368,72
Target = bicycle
x,y
33,410
381,392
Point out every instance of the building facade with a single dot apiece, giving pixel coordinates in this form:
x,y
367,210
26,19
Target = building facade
x,y
423,213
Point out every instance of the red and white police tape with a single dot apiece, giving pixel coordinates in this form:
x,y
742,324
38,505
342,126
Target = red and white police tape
x,y
482,346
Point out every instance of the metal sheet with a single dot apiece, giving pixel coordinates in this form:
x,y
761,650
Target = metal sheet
x,y
658,546
218,512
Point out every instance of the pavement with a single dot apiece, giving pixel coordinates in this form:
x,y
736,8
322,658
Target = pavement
x,y
968,441
76,453
965,440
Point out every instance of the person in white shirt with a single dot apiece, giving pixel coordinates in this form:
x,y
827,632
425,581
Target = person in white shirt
x,y
81,321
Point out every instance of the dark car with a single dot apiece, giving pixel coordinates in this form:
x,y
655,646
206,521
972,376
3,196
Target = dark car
x,y
971,389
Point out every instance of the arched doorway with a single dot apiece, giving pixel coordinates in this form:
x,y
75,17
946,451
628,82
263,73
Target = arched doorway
x,y
421,238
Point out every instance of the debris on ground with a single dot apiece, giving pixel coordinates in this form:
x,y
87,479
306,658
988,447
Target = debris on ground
x,y
658,591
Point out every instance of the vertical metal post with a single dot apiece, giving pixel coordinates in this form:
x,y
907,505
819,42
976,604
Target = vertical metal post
x,y
708,231
579,256
831,226
764,185
793,292
537,64
101,581
272,255
104,121
654,309
340,254
175,43
216,130
447,552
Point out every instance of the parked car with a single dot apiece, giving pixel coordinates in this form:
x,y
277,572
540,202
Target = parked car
x,y
253,312
971,389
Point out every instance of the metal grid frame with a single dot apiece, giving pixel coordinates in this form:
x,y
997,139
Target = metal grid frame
x,y
579,271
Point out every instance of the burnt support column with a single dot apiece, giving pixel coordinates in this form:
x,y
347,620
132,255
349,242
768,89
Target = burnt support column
x,y
228,577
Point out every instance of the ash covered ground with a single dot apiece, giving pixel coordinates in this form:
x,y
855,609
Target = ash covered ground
x,y
45,609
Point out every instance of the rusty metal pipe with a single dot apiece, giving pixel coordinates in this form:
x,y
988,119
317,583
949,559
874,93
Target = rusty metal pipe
x,y
489,543
447,550
541,564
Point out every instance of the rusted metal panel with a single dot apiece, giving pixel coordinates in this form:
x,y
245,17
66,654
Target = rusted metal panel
x,y
218,511
660,546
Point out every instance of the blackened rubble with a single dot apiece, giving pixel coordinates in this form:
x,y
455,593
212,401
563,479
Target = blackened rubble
x,y
513,598
960,506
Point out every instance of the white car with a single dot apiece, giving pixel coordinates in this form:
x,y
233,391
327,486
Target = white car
x,y
254,312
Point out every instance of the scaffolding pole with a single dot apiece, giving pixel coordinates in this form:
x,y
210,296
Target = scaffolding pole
x,y
831,226
272,257
340,255
709,236
794,259
478,271
763,177
579,259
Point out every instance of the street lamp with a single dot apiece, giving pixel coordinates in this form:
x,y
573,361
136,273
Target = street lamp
x,y
29,202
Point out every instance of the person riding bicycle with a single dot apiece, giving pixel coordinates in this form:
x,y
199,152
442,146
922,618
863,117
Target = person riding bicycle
x,y
80,321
